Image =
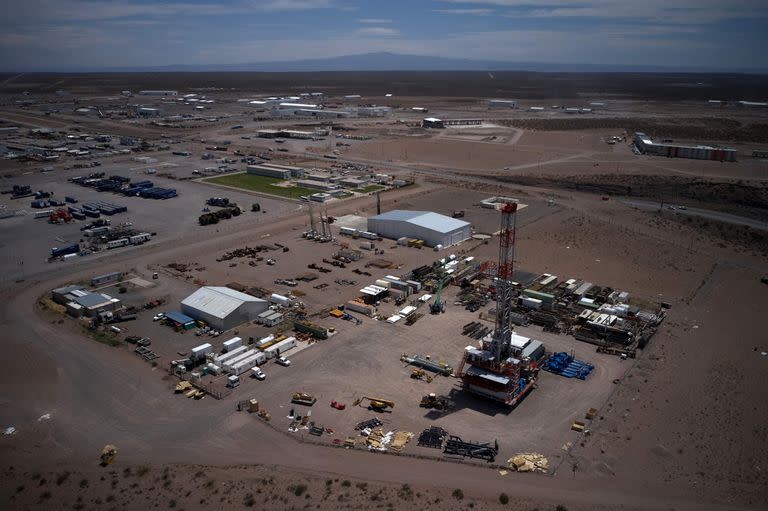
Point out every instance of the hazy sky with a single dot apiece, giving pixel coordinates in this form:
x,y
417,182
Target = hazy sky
x,y
60,34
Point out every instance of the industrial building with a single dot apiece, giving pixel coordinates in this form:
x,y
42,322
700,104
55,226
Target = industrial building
x,y
502,103
434,228
221,307
645,145
373,111
274,170
80,302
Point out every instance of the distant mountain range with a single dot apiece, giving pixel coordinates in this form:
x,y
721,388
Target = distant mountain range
x,y
385,61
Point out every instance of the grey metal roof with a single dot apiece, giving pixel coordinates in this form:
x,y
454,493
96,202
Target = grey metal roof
x,y
426,219
91,300
218,301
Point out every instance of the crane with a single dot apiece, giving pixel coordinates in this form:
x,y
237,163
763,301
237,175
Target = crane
x,y
438,306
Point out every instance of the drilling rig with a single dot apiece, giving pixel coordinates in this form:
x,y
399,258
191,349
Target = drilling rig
x,y
495,370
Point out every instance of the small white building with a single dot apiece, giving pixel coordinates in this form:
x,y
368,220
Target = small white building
x,y
221,307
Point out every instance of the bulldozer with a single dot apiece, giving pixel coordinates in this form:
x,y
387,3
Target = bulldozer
x,y
375,403
432,401
108,454
301,398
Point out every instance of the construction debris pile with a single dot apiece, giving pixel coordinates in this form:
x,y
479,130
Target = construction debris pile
x,y
249,252
529,462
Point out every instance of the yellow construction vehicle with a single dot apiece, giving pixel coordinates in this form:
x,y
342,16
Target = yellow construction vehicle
x,y
421,374
434,401
183,386
108,454
302,398
375,403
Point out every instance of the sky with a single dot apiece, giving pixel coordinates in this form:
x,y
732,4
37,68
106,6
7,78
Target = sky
x,y
69,34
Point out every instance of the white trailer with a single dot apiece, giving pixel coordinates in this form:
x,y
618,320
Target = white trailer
x,y
199,352
248,363
266,340
118,243
281,347
140,238
229,355
43,214
233,343
242,356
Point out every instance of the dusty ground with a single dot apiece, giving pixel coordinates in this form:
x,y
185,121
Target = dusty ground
x,y
683,428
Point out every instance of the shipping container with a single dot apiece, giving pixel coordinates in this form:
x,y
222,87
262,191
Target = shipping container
x,y
233,343
362,308
199,352
43,214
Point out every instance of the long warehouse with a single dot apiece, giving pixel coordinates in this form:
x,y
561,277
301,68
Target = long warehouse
x,y
434,228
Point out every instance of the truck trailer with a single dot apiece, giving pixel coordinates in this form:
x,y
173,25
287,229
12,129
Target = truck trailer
x,y
281,347
245,365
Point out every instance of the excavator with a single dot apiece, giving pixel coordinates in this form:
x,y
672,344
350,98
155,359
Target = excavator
x,y
375,403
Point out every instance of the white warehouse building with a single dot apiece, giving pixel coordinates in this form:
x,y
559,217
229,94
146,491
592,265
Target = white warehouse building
x,y
221,307
434,228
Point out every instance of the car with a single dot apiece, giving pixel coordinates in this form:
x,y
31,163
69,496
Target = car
x,y
283,361
682,207
158,316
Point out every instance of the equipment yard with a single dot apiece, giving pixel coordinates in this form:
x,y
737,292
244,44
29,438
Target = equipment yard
x,y
508,293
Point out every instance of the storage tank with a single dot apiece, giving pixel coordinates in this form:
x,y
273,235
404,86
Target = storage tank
x,y
281,300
